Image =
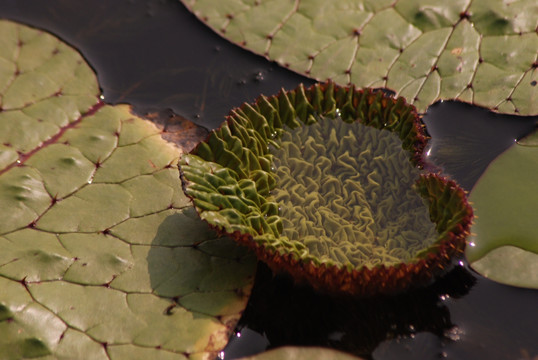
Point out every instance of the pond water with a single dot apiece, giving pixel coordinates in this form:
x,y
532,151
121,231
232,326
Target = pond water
x,y
158,57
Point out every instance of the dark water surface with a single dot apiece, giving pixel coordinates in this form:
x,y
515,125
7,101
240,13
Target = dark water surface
x,y
156,56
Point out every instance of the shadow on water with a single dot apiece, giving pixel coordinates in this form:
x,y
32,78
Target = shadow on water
x,y
495,322
289,314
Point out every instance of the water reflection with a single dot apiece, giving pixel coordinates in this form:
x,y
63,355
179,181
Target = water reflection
x,y
287,314
466,138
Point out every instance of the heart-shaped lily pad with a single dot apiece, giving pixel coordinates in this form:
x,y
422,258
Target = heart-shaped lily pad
x,y
101,256
326,183
504,240
482,51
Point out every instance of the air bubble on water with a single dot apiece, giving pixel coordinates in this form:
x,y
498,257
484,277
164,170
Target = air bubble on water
x,y
258,76
454,333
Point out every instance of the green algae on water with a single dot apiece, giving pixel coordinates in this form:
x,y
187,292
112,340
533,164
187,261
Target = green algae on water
x,y
347,192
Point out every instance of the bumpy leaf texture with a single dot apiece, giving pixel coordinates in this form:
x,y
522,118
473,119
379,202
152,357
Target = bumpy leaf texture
x,y
101,257
479,51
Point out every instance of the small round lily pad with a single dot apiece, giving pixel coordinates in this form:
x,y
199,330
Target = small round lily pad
x,y
329,184
503,245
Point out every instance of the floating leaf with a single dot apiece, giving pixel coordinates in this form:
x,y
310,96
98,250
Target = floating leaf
x,y
101,255
483,52
326,184
504,240
301,353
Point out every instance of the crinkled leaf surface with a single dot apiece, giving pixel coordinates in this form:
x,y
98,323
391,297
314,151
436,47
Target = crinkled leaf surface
x,y
239,187
302,353
480,51
100,255
504,240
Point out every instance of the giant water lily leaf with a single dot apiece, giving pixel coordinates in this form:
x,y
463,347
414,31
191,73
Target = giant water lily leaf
x,y
302,353
480,51
504,243
101,257
291,173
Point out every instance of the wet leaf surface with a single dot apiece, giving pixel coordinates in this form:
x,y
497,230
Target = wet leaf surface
x,y
479,51
504,243
102,256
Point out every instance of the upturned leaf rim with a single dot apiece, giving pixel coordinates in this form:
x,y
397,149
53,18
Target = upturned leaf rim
x,y
372,107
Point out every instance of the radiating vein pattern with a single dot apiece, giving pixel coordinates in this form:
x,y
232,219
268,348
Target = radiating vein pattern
x,y
101,256
480,51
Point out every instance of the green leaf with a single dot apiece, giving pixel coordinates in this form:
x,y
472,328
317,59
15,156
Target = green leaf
x,y
302,353
482,52
504,240
290,173
101,256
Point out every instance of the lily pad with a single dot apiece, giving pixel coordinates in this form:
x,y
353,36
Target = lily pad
x,y
101,255
302,353
327,184
504,240
482,52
